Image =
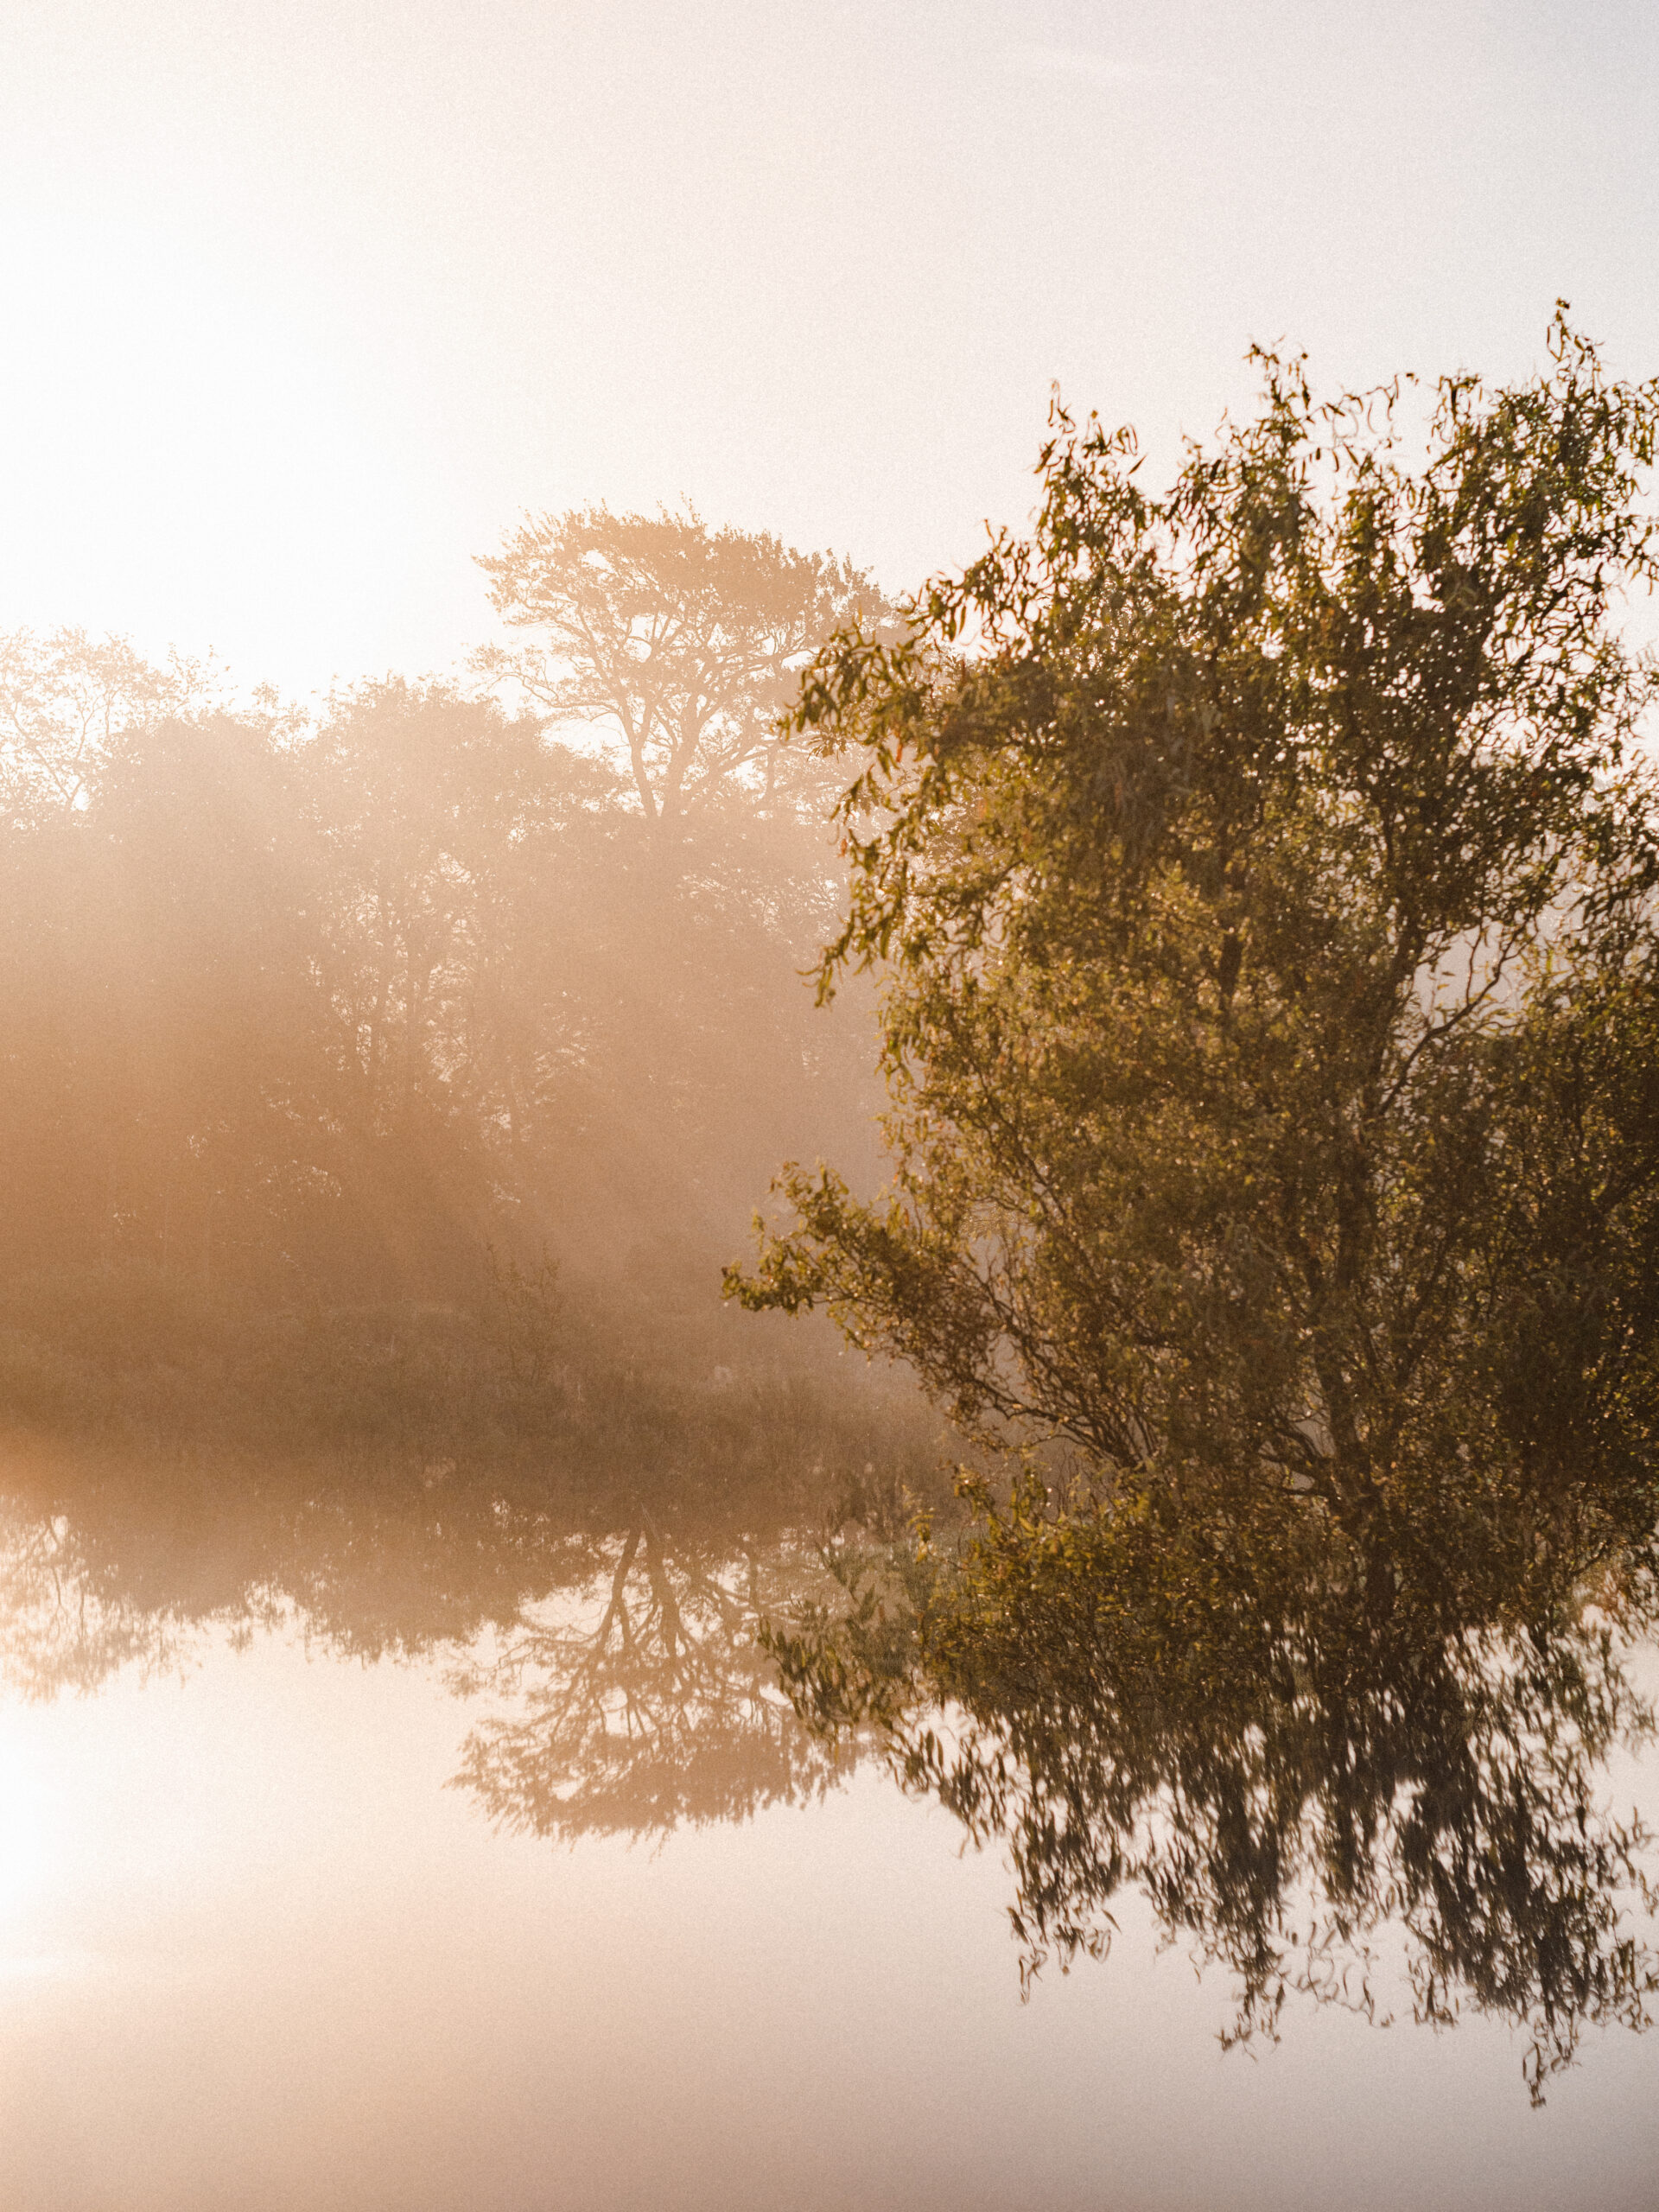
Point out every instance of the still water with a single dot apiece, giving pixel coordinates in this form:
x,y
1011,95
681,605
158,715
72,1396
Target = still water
x,y
386,1844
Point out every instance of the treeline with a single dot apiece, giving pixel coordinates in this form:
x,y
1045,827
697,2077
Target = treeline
x,y
409,1066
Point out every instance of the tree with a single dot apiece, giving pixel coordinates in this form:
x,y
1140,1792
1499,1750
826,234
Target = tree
x,y
426,800
1269,907
167,1048
1263,878
688,642
64,702
664,1711
1124,1712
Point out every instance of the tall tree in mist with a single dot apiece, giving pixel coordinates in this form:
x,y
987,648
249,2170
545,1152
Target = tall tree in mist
x,y
1263,880
421,797
1266,902
688,643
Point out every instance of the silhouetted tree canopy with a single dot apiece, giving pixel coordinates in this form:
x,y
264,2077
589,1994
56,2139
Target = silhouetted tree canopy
x,y
686,643
66,700
371,1008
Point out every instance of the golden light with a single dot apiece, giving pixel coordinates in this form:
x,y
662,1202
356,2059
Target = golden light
x,y
192,443
25,1824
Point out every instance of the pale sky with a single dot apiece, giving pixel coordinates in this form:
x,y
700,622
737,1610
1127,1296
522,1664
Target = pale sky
x,y
303,304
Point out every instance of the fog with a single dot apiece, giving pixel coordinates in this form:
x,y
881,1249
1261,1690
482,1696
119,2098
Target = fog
x,y
751,1453
348,1858
405,1807
403,1073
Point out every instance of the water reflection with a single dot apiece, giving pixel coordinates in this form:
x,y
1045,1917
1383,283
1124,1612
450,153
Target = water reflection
x,y
1312,1805
1325,1799
607,1644
662,1709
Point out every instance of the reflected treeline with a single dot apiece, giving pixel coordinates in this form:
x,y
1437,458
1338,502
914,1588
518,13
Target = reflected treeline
x,y
1336,1800
654,1703
605,1638
1325,1806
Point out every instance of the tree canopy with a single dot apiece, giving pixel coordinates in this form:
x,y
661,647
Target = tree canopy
x,y
311,1024
64,701
687,642
1262,879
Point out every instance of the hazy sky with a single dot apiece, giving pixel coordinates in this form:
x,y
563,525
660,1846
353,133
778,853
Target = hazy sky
x,y
302,302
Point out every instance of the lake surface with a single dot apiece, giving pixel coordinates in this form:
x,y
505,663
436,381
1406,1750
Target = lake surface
x,y
400,1846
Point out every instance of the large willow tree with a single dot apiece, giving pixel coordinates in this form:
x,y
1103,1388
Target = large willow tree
x,y
1264,879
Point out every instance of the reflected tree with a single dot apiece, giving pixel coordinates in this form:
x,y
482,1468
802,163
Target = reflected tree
x,y
613,1648
110,1563
55,1633
663,1711
1317,1805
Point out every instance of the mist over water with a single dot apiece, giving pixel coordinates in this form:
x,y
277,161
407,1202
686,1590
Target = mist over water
x,y
369,1844
403,1802
815,1389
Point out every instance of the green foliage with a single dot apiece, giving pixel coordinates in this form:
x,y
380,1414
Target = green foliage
x,y
1262,877
1318,1807
1266,902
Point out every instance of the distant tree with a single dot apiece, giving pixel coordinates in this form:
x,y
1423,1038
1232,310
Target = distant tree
x,y
64,701
167,1047
527,1000
423,798
687,642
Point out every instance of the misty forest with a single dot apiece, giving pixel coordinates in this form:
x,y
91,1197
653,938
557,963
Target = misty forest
x,y
1047,1190
401,1075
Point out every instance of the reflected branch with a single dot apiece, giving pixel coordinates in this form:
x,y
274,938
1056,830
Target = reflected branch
x,y
665,1710
1320,1804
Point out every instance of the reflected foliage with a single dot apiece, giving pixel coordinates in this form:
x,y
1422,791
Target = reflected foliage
x,y
604,1638
1317,1803
56,1635
665,1709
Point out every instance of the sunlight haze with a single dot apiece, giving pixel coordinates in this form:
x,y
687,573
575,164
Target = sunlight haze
x,y
828,1135
303,306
